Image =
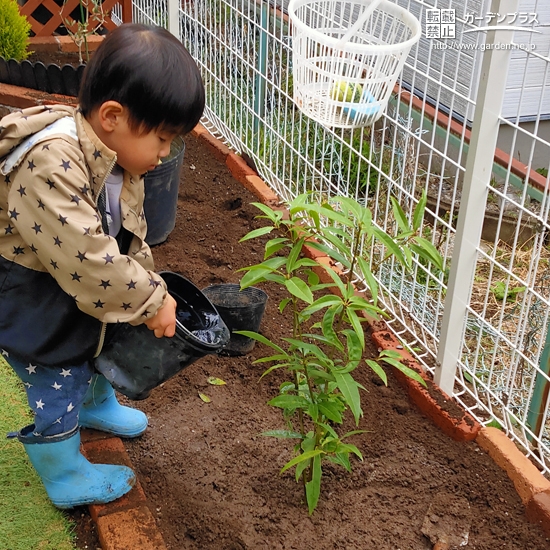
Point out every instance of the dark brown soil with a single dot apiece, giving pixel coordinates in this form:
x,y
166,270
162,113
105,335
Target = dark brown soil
x,y
57,58
213,481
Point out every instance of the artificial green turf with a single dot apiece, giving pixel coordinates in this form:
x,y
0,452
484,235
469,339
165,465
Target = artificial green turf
x,y
28,520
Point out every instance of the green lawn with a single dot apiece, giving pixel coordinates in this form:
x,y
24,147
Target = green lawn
x,y
28,521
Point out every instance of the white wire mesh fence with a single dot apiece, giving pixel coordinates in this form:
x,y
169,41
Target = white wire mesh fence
x,y
491,304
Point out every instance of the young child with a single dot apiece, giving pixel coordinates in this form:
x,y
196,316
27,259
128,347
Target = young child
x,y
72,252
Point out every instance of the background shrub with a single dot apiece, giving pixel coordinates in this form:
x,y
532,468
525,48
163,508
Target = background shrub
x,y
14,31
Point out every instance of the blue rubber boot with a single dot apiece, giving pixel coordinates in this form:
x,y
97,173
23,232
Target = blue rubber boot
x,y
71,480
102,411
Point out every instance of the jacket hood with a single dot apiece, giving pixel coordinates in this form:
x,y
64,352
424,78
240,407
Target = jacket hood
x,y
18,126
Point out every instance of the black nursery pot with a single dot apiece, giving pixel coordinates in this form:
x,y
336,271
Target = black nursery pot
x,y
240,310
161,194
134,361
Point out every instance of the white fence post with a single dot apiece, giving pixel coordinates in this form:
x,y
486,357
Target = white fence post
x,y
174,17
474,197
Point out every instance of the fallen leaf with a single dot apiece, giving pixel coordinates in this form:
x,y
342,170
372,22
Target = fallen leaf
x,y
205,398
215,381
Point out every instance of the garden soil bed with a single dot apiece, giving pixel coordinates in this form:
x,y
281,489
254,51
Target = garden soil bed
x,y
212,481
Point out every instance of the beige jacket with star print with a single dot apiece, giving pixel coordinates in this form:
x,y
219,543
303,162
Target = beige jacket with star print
x,y
61,275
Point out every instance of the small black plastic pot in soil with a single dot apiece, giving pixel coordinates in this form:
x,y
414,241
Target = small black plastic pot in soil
x,y
51,78
134,361
161,194
240,310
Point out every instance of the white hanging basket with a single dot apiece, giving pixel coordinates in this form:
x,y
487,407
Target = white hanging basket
x,y
347,56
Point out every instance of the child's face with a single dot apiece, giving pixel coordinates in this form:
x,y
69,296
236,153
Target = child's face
x,y
137,151
140,152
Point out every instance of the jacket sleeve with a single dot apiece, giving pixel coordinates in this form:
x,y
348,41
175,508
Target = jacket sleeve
x,y
55,214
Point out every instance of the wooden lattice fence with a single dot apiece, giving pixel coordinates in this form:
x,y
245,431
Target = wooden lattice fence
x,y
52,16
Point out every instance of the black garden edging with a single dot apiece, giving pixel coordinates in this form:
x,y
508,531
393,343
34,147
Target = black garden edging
x,y
51,78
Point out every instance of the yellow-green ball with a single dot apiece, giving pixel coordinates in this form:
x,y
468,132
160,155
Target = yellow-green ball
x,y
346,91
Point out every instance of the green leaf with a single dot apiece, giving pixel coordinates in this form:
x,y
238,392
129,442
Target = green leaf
x,y
407,252
494,424
399,215
372,283
312,279
273,246
500,291
313,412
366,221
282,434
278,357
305,262
330,252
328,328
355,346
255,275
275,277
274,367
216,381
336,278
411,373
271,264
306,347
329,430
260,338
352,205
418,213
391,353
323,375
348,448
284,303
313,487
378,370
357,326
331,410
293,255
390,244
329,213
299,288
287,387
273,215
320,303
300,458
344,252
257,233
428,251
287,401
300,469
342,460
350,390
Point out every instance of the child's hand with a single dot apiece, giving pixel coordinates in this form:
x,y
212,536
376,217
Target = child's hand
x,y
164,321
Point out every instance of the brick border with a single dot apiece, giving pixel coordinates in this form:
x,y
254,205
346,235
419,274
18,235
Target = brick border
x,y
127,523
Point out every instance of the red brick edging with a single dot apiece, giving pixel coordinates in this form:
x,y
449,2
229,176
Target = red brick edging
x,y
127,523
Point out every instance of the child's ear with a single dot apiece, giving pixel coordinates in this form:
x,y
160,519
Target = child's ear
x,y
109,115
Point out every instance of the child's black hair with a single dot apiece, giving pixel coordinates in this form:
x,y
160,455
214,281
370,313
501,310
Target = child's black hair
x,y
148,71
